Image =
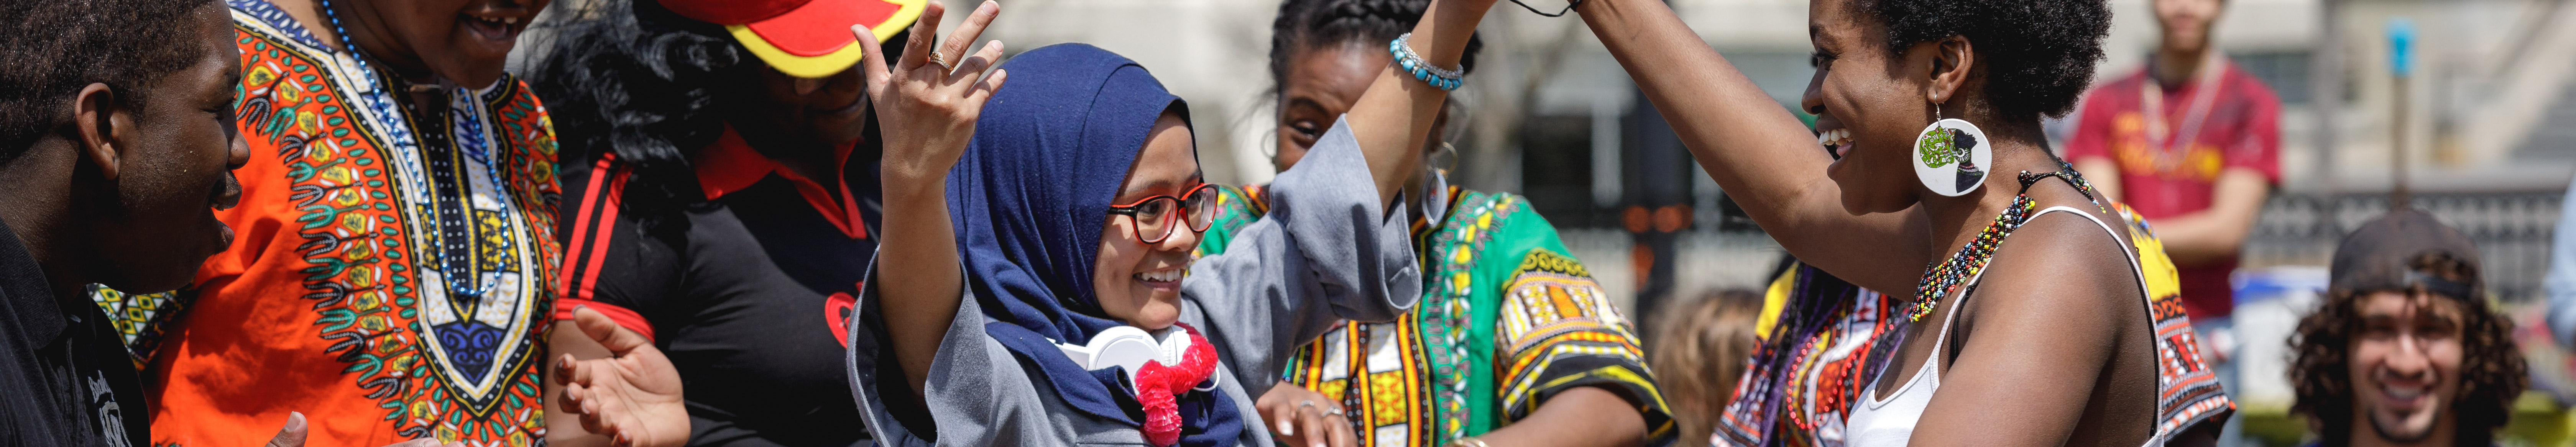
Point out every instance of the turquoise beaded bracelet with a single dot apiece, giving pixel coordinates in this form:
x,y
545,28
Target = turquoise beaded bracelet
x,y
1442,78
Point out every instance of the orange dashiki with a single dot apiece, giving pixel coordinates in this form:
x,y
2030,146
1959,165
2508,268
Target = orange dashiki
x,y
389,281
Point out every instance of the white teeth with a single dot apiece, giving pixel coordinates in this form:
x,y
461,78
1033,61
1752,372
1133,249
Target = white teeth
x,y
509,20
2403,393
1169,275
1834,137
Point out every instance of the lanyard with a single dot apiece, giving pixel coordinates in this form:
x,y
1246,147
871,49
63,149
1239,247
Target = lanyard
x,y
2171,151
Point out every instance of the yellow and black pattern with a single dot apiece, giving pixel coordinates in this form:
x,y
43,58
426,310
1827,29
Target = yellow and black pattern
x,y
1559,331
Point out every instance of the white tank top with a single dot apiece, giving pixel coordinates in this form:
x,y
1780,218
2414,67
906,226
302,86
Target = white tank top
x,y
1890,423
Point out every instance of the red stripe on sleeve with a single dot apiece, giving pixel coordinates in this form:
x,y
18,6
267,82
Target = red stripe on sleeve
x,y
624,317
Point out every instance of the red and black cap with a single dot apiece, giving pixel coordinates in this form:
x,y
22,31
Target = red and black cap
x,y
803,38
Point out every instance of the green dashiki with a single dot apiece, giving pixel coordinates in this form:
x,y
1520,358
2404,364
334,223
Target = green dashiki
x,y
1506,320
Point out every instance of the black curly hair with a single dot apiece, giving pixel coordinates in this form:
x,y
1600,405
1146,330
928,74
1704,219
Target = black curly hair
x,y
635,79
64,45
2039,54
1304,24
2491,366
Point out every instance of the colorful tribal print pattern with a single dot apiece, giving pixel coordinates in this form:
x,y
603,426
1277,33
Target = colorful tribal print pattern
x,y
1560,330
429,250
1518,322
2189,391
1452,251
1828,341
138,318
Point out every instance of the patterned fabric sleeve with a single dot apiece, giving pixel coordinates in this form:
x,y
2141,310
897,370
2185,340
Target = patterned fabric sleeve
x,y
2189,391
138,318
1559,331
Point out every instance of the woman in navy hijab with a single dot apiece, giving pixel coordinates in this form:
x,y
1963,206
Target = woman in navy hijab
x,y
1061,305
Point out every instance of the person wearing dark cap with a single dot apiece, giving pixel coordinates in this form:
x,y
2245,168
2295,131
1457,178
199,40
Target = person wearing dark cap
x,y
721,202
2405,350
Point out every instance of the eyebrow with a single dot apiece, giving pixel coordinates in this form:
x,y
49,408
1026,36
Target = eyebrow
x,y
1195,178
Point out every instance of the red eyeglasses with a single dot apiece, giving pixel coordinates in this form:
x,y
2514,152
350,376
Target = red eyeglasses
x,y
1154,215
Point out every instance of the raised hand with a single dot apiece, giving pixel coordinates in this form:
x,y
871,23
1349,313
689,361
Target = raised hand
x,y
927,104
632,396
926,108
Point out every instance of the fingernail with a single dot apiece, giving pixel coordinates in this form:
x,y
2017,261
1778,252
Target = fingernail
x,y
1287,430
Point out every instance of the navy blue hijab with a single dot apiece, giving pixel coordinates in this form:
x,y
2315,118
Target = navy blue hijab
x,y
1030,197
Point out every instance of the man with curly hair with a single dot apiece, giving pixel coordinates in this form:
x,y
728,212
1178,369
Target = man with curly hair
x,y
2405,350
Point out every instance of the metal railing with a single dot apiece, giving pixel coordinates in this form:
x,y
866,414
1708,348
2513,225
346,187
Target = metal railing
x,y
2512,231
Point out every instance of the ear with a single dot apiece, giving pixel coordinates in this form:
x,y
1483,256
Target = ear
x,y
1951,58
104,127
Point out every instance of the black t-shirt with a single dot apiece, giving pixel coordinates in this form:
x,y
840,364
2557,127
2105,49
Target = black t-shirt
x,y
747,294
65,378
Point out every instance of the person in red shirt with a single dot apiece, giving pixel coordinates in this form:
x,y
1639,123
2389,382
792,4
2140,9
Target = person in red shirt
x,y
2192,143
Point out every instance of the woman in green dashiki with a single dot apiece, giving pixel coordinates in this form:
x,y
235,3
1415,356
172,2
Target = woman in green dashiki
x,y
1512,343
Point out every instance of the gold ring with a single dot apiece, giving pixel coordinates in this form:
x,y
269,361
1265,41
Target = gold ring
x,y
936,58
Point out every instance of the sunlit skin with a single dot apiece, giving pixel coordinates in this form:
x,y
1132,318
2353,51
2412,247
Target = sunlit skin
x,y
2055,348
1167,165
1859,89
1321,85
177,161
460,42
2405,369
124,194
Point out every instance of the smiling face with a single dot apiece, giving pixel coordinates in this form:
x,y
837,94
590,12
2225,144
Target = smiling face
x,y
1140,283
1869,106
465,41
176,169
2405,364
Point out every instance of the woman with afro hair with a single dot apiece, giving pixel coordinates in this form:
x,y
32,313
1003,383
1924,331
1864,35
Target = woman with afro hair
x,y
2039,328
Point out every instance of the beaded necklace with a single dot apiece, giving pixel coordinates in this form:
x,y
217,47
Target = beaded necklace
x,y
456,263
1945,277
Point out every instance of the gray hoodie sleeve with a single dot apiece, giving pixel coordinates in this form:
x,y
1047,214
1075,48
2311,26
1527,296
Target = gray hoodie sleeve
x,y
1325,252
978,393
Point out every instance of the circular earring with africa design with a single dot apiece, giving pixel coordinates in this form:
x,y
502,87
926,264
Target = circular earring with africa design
x,y
1950,155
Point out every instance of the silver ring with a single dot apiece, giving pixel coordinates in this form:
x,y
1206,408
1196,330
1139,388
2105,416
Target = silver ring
x,y
1335,412
1305,403
942,60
